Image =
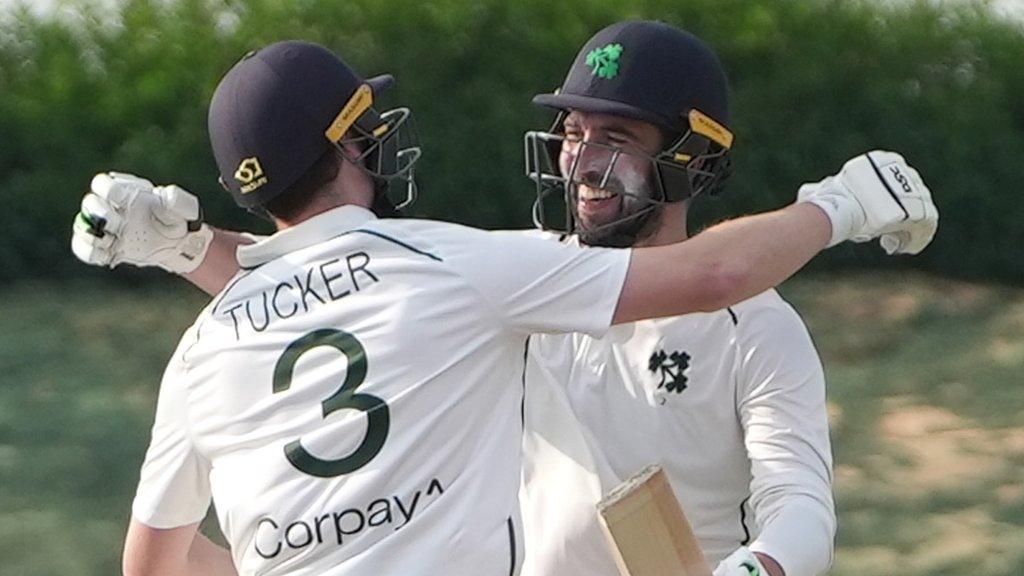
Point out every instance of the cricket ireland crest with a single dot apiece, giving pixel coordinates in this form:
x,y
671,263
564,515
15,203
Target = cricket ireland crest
x,y
605,61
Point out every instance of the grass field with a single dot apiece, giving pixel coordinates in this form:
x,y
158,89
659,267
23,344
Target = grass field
x,y
925,398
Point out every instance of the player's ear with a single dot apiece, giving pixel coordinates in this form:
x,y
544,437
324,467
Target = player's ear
x,y
353,147
351,150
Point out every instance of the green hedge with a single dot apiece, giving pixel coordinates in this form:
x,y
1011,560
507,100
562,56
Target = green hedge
x,y
84,89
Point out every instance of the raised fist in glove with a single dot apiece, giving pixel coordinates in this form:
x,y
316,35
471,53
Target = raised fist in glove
x,y
877,195
742,562
125,218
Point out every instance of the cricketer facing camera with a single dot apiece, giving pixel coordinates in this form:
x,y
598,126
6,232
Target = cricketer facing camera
x,y
731,403
351,398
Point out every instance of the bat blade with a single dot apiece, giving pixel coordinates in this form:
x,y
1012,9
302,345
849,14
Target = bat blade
x,y
647,530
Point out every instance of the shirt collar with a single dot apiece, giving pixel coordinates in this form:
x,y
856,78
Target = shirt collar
x,y
323,226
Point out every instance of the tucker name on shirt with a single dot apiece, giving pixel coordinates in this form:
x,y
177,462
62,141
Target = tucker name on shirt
x,y
321,282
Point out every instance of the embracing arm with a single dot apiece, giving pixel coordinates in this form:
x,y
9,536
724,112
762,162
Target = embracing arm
x,y
723,265
181,551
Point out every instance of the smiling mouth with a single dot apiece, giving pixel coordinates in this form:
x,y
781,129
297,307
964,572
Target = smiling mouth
x,y
595,204
587,193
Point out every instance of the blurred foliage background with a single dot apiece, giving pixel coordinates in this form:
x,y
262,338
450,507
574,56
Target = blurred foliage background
x,y
924,366
94,86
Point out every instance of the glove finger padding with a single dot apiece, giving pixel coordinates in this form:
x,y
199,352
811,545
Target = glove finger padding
x,y
896,201
119,189
917,236
85,227
91,249
101,215
885,157
908,188
894,242
871,183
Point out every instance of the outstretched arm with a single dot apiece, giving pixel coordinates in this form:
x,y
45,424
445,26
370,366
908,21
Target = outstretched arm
x,y
723,265
126,219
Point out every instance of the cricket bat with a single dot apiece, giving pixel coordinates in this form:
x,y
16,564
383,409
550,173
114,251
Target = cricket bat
x,y
647,530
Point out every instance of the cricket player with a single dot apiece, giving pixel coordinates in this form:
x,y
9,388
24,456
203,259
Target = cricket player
x,y
730,403
351,398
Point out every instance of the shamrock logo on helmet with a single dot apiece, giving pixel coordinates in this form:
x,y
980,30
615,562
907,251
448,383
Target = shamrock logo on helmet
x,y
605,60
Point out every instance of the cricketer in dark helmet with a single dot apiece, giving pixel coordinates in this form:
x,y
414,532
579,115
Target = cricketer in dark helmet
x,y
642,127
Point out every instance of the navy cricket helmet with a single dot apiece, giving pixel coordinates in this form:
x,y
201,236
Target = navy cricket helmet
x,y
281,108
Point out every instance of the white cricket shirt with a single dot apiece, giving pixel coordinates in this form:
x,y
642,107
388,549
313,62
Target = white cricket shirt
x,y
353,399
730,403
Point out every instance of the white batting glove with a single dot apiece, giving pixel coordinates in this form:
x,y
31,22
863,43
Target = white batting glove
x,y
742,562
877,194
125,219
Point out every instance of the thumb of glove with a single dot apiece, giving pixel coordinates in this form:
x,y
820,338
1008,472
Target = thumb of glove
x,y
894,242
177,205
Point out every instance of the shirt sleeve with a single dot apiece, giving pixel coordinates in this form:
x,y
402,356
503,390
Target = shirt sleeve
x,y
174,485
540,285
783,412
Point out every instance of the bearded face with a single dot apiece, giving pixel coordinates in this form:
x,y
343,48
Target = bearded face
x,y
610,178
617,214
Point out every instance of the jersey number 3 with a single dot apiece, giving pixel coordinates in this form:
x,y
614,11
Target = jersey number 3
x,y
378,419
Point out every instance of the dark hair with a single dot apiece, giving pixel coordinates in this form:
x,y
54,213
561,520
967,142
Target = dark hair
x,y
293,199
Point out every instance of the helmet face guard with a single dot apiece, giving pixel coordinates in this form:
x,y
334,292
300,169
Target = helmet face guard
x,y
390,149
557,184
389,156
696,162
